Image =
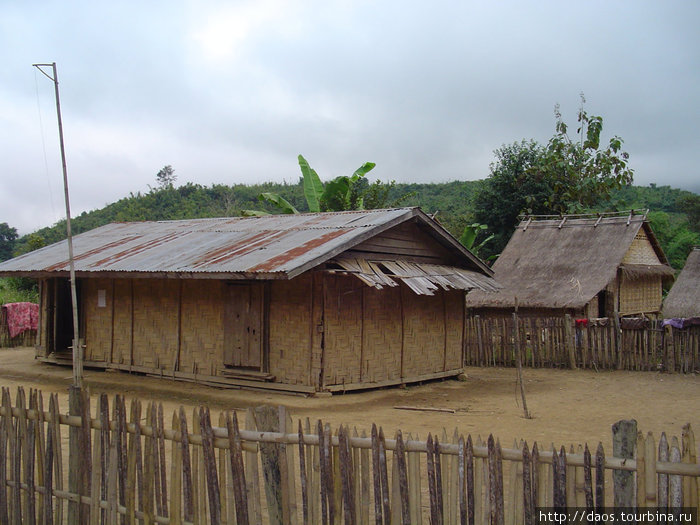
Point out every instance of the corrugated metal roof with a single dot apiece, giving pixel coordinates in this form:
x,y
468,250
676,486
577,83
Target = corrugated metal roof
x,y
248,247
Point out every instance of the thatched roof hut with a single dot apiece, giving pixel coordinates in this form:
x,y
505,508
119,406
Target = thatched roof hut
x,y
684,298
590,266
308,302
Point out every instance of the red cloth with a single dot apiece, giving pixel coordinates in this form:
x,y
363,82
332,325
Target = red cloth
x,y
581,323
21,317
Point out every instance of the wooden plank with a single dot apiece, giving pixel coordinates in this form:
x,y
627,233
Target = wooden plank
x,y
36,403
48,516
663,478
98,488
528,515
5,431
146,490
313,460
112,484
252,477
176,473
199,481
346,474
288,456
400,460
119,410
600,477
210,472
641,471
587,479
690,484
160,442
435,507
462,481
187,480
238,477
363,515
414,484
133,475
57,456
675,482
303,477
29,464
496,482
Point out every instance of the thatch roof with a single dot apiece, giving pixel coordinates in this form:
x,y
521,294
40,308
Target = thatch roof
x,y
684,298
565,262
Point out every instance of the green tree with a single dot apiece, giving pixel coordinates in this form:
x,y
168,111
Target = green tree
x,y
166,177
565,176
579,171
511,189
690,205
8,236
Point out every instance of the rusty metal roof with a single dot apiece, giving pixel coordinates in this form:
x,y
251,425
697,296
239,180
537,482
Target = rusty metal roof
x,y
273,246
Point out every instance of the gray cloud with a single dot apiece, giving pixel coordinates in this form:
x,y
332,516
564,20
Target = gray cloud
x,y
232,92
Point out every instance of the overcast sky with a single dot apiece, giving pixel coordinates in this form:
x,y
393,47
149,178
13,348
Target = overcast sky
x,y
232,91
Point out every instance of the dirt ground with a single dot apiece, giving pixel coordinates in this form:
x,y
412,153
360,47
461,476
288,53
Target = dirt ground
x,y
568,407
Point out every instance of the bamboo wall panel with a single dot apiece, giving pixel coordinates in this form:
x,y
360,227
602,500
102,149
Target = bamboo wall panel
x,y
454,326
423,333
641,251
122,329
156,303
342,329
291,330
98,318
640,295
202,327
381,338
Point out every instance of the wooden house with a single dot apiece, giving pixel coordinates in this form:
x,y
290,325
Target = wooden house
x,y
308,302
683,301
585,266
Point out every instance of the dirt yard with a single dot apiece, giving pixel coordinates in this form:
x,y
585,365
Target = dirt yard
x,y
568,407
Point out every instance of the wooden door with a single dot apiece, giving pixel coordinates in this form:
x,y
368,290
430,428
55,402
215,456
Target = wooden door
x,y
243,321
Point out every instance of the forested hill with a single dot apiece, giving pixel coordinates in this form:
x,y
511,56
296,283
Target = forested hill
x,y
675,214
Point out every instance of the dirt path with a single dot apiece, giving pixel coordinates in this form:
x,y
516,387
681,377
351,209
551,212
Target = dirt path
x,y
569,407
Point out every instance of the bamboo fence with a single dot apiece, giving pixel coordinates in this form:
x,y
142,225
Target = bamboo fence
x,y
26,338
560,342
113,468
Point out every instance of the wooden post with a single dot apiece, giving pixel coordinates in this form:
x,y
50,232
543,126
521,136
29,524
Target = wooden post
x,y
518,359
570,346
624,443
75,469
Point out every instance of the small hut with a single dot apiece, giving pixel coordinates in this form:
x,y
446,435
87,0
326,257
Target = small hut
x,y
308,302
683,301
585,266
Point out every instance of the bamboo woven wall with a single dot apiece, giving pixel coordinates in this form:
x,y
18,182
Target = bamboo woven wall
x,y
382,334
640,295
155,326
201,325
291,330
122,320
342,329
641,251
454,326
423,333
98,318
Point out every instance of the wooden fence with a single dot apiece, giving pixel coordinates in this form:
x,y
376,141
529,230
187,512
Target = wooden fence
x,y
597,344
114,468
27,338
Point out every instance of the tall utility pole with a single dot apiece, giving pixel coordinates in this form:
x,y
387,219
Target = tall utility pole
x,y
77,347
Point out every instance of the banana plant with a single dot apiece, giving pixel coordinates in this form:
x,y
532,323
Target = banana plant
x,y
334,195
